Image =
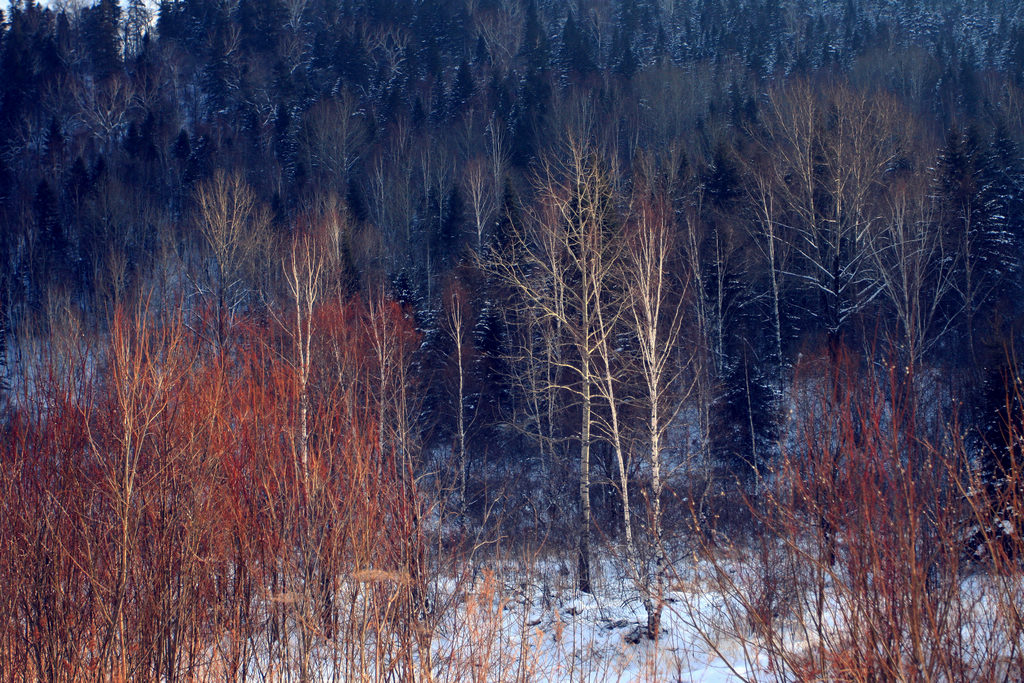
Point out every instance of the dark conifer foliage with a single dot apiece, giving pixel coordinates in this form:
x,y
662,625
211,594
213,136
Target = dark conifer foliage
x,y
101,36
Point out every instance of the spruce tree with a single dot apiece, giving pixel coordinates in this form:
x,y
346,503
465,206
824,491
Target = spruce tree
x,y
101,31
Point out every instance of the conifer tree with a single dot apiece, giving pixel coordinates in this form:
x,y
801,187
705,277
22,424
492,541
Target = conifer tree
x,y
101,30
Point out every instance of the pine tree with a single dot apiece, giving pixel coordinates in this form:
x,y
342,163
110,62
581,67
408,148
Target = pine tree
x,y
1007,191
101,31
136,23
623,60
52,242
744,420
576,54
261,23
29,63
976,228
170,24
533,100
53,147
463,88
351,60
217,73
534,48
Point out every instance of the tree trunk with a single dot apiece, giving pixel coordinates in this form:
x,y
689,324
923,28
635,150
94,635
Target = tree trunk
x,y
583,557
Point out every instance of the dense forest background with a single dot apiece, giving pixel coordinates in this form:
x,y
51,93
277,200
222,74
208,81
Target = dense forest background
x,y
416,130
381,194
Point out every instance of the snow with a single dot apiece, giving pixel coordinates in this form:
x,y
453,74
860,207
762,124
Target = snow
x,y
556,633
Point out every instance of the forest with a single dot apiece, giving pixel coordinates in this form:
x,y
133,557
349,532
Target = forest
x,y
512,340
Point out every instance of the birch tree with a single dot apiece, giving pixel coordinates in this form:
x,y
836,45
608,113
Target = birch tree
x,y
768,233
457,316
831,149
916,267
234,225
654,298
305,277
556,266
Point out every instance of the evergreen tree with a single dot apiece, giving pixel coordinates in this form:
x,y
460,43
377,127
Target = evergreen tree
x,y
531,106
463,88
1007,192
53,244
481,55
28,65
744,421
534,48
199,164
170,20
217,81
576,54
351,60
54,147
976,227
623,59
102,35
261,23
136,24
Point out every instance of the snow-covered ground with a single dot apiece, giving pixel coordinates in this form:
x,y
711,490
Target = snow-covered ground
x,y
540,629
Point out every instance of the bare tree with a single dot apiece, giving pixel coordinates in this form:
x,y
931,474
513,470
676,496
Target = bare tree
x,y
655,299
914,266
767,231
704,360
502,32
604,273
103,106
391,341
147,367
436,176
457,324
332,131
234,226
483,196
831,148
387,43
305,278
557,266
535,357
392,192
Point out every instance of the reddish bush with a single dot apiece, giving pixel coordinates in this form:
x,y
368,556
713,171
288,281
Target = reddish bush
x,y
160,524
